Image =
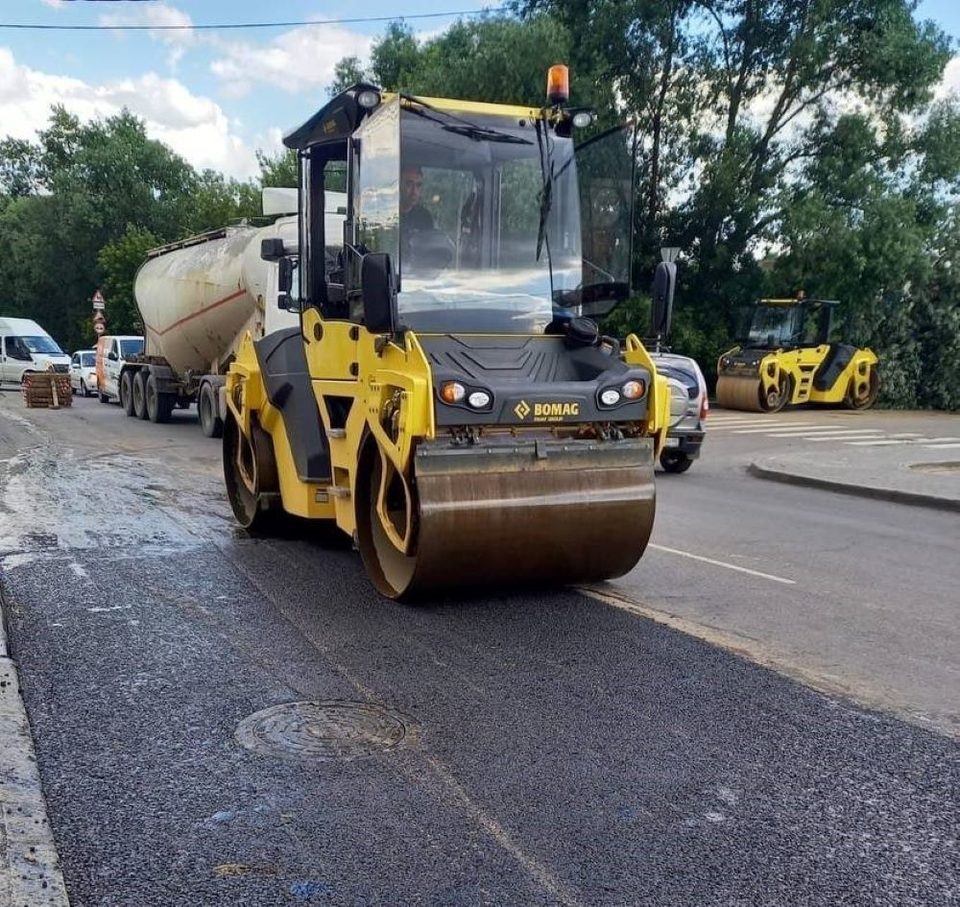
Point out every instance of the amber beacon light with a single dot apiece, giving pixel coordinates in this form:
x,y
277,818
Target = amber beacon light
x,y
558,84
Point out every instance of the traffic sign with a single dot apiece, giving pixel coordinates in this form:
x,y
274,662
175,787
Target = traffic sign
x,y
99,306
98,317
97,297
99,327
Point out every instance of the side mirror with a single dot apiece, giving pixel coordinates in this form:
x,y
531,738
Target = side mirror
x,y
271,249
286,269
664,286
112,356
379,293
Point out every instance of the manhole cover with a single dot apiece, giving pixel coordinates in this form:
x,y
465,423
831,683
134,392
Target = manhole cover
x,y
936,467
324,730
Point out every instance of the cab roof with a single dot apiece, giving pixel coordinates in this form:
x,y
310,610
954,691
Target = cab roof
x,y
339,119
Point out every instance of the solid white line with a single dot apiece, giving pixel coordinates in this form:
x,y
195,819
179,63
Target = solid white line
x,y
941,440
796,427
942,446
710,560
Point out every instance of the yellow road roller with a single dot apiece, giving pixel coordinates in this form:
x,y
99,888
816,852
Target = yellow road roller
x,y
787,358
447,399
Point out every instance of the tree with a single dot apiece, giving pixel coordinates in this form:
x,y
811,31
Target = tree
x,y
279,171
119,261
347,72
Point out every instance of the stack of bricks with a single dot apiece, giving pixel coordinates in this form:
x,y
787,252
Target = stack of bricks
x,y
46,389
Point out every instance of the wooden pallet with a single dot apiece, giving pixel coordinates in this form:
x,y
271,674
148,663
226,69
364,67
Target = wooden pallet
x,y
46,389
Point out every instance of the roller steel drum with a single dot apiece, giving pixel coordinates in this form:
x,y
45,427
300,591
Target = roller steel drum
x,y
545,512
739,393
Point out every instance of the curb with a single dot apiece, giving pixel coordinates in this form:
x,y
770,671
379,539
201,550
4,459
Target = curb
x,y
30,873
912,498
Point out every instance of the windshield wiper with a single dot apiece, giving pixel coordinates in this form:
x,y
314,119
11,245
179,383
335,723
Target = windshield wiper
x,y
460,126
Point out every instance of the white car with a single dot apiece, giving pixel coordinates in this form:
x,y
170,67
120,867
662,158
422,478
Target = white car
x,y
688,410
83,372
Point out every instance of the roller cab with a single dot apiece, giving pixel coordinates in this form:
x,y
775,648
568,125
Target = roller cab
x,y
788,357
447,400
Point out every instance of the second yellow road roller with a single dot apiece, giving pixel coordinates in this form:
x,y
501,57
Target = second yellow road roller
x,y
787,358
447,400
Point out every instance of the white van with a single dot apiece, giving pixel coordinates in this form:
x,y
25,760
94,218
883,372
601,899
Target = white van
x,y
27,347
112,353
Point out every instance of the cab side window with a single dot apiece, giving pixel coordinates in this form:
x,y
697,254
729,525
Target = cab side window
x,y
17,349
75,361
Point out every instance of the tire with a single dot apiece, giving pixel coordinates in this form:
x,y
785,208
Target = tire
x,y
83,389
773,403
867,398
246,484
126,392
104,398
675,461
210,421
158,405
139,394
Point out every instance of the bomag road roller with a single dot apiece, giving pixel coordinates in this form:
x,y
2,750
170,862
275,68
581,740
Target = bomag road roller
x,y
446,400
787,357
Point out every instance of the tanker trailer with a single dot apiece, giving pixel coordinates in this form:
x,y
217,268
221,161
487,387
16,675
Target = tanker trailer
x,y
197,299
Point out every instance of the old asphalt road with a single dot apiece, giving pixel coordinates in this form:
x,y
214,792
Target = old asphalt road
x,y
535,748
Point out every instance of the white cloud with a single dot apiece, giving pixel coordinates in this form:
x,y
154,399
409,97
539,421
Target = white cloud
x,y
194,126
55,4
300,60
950,84
178,40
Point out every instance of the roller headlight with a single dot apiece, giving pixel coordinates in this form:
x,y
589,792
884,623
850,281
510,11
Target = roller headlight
x,y
452,392
479,400
610,397
368,98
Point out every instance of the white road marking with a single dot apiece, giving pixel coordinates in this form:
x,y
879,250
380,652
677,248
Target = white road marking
x,y
858,433
710,560
941,440
795,428
942,446
773,424
885,442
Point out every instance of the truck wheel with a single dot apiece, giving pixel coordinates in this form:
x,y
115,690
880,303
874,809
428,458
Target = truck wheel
x,y
210,420
139,394
126,392
675,461
159,406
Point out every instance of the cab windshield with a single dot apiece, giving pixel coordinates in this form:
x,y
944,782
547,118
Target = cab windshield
x,y
88,360
481,215
42,345
776,325
131,347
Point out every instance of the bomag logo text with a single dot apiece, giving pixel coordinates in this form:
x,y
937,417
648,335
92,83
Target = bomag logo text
x,y
555,410
547,412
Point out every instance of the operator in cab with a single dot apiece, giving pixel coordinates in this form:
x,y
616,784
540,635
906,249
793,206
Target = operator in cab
x,y
413,216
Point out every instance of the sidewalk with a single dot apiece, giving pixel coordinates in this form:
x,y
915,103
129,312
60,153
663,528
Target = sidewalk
x,y
900,473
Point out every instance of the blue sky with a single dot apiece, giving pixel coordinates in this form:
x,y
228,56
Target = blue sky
x,y
213,96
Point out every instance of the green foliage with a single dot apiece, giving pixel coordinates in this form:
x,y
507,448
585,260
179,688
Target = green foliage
x,y
278,171
119,261
347,72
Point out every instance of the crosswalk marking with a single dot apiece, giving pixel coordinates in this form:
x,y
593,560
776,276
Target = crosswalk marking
x,y
784,429
840,432
882,442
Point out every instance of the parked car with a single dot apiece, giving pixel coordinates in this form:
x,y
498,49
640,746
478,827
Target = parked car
x,y
27,347
112,353
688,410
83,372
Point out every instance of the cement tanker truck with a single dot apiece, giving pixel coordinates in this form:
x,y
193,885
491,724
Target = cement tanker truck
x,y
198,298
